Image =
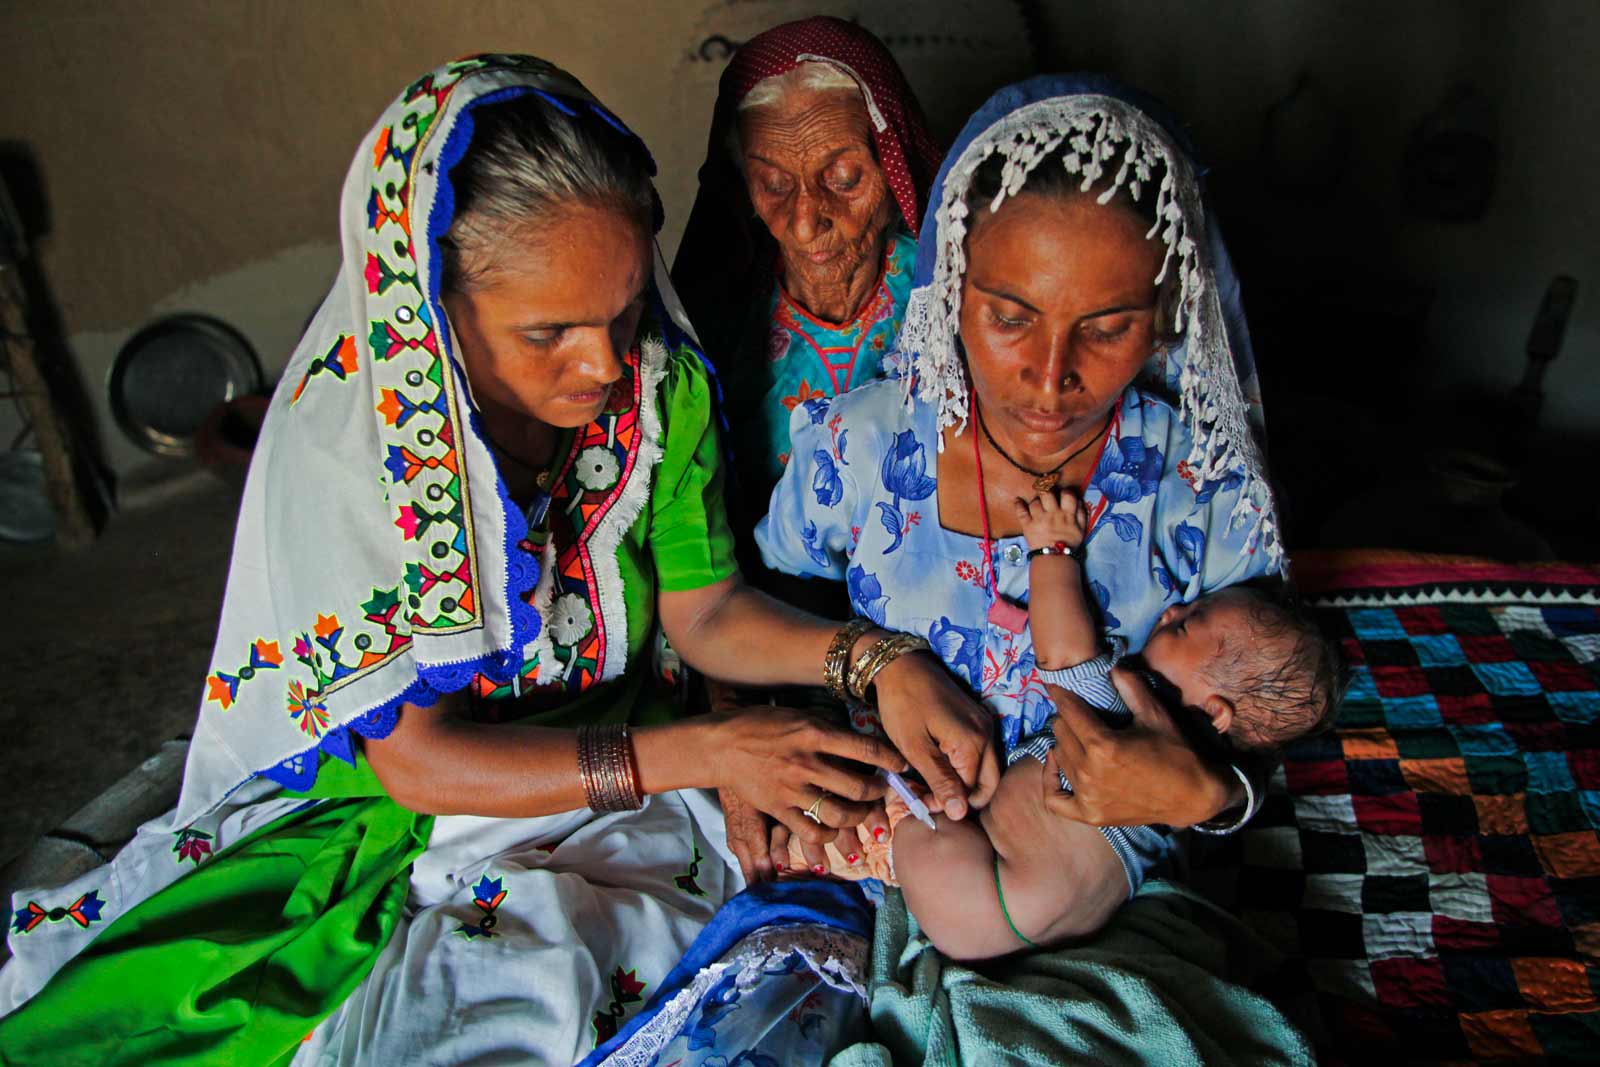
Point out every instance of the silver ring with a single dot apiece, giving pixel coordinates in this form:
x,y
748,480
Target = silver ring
x,y
814,811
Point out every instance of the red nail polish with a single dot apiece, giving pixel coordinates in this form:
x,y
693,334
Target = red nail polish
x,y
878,832
819,869
852,858
782,867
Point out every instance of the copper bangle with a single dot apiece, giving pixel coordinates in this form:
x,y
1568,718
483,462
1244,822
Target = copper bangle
x,y
606,768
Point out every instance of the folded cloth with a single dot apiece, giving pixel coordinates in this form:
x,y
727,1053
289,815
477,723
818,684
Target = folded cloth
x,y
1155,986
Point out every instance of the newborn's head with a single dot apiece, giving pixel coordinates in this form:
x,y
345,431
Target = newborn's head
x,y
1259,669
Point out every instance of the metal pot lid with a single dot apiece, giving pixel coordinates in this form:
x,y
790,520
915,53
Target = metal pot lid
x,y
172,373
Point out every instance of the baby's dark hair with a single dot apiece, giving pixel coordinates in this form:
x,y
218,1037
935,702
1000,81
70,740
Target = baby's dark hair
x,y
1285,675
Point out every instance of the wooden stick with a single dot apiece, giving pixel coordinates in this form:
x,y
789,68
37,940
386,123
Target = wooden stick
x,y
74,528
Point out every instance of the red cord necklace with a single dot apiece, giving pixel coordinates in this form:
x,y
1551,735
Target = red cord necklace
x,y
1004,613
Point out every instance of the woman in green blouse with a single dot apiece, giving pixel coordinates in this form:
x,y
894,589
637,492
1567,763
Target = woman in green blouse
x,y
492,469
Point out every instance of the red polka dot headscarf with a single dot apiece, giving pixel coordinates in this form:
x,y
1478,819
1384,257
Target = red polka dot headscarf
x,y
905,151
724,264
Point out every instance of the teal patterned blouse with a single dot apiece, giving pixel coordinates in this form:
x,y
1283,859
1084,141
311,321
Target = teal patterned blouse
x,y
804,358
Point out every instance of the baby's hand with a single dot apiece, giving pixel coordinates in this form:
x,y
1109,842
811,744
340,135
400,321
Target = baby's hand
x,y
1048,521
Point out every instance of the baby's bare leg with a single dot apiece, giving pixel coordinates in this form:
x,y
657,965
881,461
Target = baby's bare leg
x,y
948,881
1060,878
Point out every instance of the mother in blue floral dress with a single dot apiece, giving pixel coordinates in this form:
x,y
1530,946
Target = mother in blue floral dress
x,y
1074,322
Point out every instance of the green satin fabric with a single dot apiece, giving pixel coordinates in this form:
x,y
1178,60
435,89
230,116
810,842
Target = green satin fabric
x,y
237,961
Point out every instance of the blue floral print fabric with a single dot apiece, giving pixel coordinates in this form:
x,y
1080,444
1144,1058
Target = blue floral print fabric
x,y
859,503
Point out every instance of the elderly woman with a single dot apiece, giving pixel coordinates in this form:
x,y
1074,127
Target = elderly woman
x,y
1066,252
432,810
796,263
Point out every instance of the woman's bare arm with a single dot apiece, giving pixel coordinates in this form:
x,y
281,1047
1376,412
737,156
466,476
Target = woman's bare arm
x,y
437,762
738,634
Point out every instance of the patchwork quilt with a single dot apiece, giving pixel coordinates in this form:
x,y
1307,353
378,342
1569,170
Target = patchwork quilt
x,y
1433,865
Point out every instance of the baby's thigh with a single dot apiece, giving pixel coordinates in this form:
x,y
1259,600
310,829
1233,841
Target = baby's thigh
x,y
1060,878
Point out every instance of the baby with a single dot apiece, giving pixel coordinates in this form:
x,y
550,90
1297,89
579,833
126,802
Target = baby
x,y
1238,659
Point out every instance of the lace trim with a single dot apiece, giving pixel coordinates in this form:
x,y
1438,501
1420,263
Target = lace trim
x,y
1102,133
838,958
603,545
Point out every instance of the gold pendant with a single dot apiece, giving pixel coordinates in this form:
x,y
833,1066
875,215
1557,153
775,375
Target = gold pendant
x,y
1045,482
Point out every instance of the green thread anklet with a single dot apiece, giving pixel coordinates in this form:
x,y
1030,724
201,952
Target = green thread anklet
x,y
1001,893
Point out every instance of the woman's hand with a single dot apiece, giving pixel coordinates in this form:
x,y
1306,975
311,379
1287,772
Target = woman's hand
x,y
747,837
946,734
1145,773
816,856
781,761
760,844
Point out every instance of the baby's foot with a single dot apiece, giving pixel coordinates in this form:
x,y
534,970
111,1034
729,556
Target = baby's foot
x,y
868,859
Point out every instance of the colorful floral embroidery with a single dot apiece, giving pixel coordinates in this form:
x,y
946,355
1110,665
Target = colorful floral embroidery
x,y
597,469
340,360
570,619
193,845
808,361
487,896
583,642
419,397
626,989
223,688
83,911
688,881
307,710
801,395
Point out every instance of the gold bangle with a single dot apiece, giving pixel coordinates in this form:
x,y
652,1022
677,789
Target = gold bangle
x,y
606,768
880,656
838,657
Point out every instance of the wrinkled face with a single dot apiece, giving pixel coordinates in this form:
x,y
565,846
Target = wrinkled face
x,y
544,332
814,182
1058,312
1188,638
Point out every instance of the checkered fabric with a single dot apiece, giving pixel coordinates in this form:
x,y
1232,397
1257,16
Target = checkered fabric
x,y
1435,863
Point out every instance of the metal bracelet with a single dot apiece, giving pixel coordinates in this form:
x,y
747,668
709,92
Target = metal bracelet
x,y
880,656
838,658
606,768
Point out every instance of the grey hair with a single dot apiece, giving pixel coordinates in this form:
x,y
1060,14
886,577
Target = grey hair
x,y
526,162
813,76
